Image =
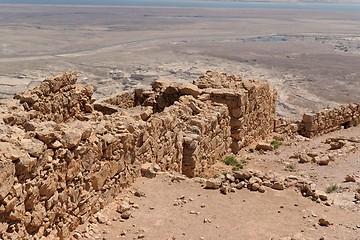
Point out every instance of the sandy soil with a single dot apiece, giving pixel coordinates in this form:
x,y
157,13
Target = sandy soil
x,y
179,209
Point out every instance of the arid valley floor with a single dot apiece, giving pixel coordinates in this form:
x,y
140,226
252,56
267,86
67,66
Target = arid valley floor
x,y
311,57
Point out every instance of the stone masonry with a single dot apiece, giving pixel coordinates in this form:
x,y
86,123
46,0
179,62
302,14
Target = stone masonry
x,y
64,156
329,120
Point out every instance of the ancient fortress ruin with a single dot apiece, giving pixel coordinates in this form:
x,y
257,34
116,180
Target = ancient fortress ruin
x,y
64,156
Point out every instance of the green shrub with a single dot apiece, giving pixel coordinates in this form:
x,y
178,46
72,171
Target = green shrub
x,y
314,198
276,144
231,161
332,188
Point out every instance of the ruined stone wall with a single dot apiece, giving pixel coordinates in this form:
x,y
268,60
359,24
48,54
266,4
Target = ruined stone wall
x,y
251,105
57,99
329,120
285,126
55,175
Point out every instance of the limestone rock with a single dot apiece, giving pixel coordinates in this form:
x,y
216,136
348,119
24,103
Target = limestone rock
x,y
123,207
33,146
242,175
49,186
357,196
213,183
304,158
278,186
149,170
7,176
126,215
336,145
350,178
71,138
322,195
264,146
323,161
324,222
190,89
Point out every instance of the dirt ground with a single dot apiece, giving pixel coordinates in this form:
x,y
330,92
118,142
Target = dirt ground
x,y
173,207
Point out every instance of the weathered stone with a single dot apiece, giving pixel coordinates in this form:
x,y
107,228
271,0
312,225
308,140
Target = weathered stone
x,y
242,174
336,145
213,183
71,138
304,158
126,215
149,170
350,178
7,177
25,164
123,207
98,179
278,186
33,146
72,170
264,147
49,186
324,222
322,195
224,189
189,89
323,161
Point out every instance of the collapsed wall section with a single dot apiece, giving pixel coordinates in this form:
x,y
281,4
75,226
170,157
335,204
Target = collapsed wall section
x,y
57,99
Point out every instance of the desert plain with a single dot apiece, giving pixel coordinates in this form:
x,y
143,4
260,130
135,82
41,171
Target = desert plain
x,y
310,56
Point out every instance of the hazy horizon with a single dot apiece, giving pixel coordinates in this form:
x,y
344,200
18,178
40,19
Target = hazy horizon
x,y
167,2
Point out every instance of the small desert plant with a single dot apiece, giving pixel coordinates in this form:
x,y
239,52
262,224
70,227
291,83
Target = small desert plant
x,y
229,160
251,150
314,198
290,167
356,124
276,144
332,188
